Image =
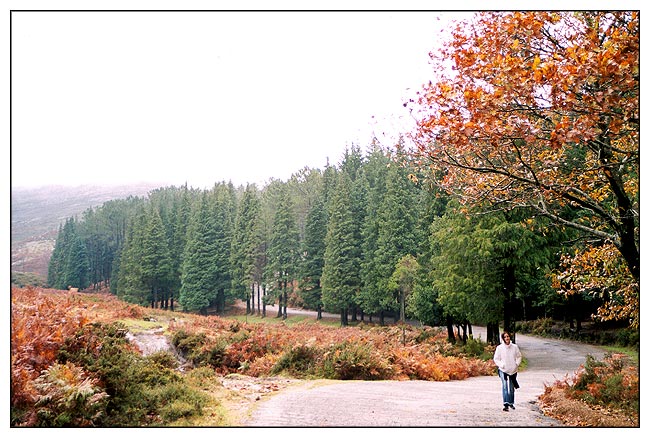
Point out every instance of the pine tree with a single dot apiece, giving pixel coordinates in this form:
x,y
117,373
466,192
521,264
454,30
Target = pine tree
x,y
54,267
245,246
340,279
69,265
374,176
76,264
156,263
223,209
199,270
313,255
283,248
396,232
130,286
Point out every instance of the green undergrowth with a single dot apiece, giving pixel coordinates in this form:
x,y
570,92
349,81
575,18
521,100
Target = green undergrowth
x,y
114,386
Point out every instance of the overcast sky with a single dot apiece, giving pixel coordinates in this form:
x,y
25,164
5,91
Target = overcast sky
x,y
170,97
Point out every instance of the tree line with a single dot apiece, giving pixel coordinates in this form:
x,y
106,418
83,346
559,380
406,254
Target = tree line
x,y
362,238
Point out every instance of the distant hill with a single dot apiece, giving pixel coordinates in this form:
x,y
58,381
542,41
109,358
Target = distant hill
x,y
36,214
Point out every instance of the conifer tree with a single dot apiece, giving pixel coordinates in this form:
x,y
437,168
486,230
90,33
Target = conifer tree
x,y
340,279
130,286
156,263
199,270
245,246
313,255
283,248
223,209
374,176
396,237
69,265
55,265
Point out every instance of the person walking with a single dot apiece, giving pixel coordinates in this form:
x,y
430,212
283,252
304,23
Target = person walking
x,y
508,358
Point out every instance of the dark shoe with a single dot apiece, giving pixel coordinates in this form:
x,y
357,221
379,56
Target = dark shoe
x,y
505,408
512,406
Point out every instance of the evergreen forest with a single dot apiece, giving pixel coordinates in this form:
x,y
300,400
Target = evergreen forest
x,y
365,238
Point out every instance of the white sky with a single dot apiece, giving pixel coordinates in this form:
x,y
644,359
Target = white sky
x,y
170,97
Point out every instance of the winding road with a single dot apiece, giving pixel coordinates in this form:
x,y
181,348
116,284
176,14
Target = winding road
x,y
474,402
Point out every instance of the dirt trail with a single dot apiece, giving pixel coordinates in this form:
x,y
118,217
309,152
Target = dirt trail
x,y
475,402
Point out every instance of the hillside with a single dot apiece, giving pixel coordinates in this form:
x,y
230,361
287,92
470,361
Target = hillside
x,y
37,212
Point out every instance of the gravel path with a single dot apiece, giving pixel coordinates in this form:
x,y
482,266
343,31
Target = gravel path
x,y
475,402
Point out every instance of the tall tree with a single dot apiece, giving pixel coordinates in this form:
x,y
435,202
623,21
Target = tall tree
x,y
541,110
341,272
130,286
155,264
69,264
283,248
397,219
223,209
246,246
374,176
313,251
199,268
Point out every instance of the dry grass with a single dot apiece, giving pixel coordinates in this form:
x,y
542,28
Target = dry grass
x,y
557,404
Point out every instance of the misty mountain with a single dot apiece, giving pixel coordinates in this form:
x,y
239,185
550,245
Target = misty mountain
x,y
36,214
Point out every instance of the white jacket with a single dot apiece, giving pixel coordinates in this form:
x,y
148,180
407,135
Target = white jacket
x,y
507,357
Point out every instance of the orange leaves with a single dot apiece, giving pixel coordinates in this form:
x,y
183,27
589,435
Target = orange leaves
x,y
40,323
599,271
539,77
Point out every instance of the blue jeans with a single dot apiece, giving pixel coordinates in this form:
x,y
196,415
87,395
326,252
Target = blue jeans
x,y
507,389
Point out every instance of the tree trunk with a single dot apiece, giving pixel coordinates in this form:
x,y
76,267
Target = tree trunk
x,y
402,310
286,299
252,298
450,331
279,300
509,283
493,333
264,301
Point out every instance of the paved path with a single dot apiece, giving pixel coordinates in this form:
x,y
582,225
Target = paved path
x,y
475,402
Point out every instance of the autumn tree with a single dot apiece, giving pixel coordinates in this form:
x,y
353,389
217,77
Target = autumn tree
x,y
541,110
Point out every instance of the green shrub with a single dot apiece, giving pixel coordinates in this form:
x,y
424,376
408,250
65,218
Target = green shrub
x,y
165,359
177,400
188,344
139,388
474,347
354,361
298,360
